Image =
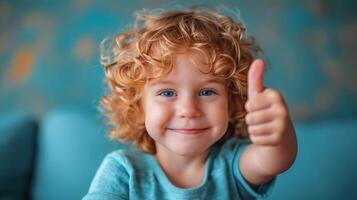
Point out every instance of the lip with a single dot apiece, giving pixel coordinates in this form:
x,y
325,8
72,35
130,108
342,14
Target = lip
x,y
188,131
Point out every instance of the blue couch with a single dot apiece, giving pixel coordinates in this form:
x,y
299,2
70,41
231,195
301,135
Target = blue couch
x,y
56,158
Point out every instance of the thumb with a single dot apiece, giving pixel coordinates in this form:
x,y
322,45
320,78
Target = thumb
x,y
255,77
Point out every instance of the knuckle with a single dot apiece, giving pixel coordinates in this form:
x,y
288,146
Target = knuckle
x,y
247,106
267,90
259,142
284,114
276,139
252,138
273,94
256,140
251,129
248,119
278,126
281,112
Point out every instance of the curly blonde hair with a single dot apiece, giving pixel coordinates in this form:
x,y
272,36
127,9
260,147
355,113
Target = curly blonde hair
x,y
219,38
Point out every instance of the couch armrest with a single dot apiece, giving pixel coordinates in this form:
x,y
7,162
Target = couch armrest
x,y
72,144
18,133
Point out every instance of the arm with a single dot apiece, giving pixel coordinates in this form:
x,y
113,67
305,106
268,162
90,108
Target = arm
x,y
274,146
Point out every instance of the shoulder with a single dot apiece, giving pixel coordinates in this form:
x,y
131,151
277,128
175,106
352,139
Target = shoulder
x,y
115,166
126,159
114,174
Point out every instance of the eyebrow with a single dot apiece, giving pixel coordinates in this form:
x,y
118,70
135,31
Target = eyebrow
x,y
168,82
158,82
215,80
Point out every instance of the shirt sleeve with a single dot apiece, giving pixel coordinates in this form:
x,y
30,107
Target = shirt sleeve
x,y
110,181
247,191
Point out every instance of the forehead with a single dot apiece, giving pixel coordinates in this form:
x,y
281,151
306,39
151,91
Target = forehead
x,y
190,65
182,56
195,58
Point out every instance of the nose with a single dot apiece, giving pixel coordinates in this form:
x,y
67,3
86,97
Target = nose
x,y
188,108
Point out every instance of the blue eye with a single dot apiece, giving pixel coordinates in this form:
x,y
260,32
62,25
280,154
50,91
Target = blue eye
x,y
207,92
167,93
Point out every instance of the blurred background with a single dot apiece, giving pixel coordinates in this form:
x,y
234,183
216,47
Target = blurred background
x,y
49,52
49,70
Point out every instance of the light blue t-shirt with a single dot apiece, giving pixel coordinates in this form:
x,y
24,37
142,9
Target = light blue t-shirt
x,y
132,174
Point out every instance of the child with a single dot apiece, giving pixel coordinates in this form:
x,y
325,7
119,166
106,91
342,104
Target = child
x,y
179,88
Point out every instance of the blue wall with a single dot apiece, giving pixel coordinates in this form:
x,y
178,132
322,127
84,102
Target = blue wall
x,y
49,51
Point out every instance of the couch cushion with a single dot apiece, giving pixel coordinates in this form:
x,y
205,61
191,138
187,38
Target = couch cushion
x,y
326,164
72,144
17,147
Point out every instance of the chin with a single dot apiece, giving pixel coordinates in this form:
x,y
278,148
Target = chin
x,y
189,151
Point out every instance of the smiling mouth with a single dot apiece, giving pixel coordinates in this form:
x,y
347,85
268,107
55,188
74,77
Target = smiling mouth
x,y
188,131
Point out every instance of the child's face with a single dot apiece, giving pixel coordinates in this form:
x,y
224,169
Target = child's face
x,y
186,111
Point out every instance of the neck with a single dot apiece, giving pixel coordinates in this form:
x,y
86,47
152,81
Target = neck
x,y
183,171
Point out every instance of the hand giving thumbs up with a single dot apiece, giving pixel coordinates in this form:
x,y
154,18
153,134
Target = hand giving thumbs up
x,y
267,113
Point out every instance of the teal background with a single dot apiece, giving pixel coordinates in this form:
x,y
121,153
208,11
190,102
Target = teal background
x,y
52,139
49,52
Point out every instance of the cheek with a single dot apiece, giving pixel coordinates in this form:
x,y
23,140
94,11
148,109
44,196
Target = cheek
x,y
223,119
157,116
219,113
